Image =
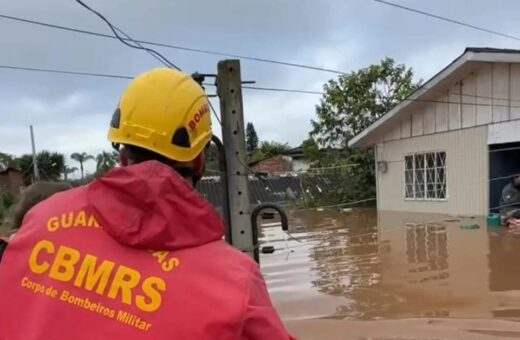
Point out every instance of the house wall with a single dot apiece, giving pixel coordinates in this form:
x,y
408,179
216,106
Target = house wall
x,y
489,94
279,164
300,165
274,164
467,169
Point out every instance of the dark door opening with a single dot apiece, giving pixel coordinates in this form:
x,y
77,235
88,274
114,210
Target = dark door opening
x,y
504,163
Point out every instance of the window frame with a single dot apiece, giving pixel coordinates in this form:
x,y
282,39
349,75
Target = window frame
x,y
425,199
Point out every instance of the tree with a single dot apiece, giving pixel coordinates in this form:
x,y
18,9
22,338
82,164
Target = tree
x,y
81,158
69,170
212,160
269,149
106,161
350,104
6,201
251,139
354,101
7,161
310,148
51,166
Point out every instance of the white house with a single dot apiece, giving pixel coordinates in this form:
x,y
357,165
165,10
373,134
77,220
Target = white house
x,y
454,143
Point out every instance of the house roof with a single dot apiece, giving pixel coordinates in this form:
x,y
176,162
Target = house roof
x,y
294,152
430,89
263,159
297,151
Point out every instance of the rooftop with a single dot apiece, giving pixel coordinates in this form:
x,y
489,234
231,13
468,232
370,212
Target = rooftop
x,y
451,73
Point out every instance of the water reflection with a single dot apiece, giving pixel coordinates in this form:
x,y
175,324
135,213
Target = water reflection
x,y
504,274
427,251
368,265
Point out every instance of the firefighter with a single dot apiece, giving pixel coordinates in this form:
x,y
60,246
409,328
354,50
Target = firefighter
x,y
137,254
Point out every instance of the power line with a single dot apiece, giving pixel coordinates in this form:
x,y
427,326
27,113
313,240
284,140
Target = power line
x,y
214,112
271,89
453,21
46,70
176,47
162,59
103,75
137,45
281,90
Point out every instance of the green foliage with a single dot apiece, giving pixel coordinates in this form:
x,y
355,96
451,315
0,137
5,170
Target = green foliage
x,y
269,149
354,101
106,161
251,139
311,150
81,158
7,161
212,160
69,170
323,157
6,201
51,166
350,104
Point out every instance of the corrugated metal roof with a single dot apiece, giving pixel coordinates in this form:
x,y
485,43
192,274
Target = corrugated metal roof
x,y
269,190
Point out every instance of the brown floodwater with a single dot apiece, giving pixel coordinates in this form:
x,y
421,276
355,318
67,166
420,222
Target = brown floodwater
x,y
364,265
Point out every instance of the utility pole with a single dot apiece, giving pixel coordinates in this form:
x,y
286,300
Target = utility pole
x,y
35,162
229,87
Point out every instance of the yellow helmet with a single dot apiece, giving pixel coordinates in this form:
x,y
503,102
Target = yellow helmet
x,y
164,111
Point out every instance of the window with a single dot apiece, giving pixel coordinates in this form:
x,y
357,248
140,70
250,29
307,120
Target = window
x,y
425,175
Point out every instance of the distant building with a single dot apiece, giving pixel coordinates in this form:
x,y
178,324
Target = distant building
x,y
11,180
298,160
290,161
453,144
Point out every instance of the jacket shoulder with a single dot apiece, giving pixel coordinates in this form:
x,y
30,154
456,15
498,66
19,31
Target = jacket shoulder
x,y
227,259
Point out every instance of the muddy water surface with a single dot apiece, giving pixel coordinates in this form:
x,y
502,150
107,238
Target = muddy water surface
x,y
363,265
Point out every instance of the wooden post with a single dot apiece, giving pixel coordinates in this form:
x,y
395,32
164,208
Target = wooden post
x,y
231,109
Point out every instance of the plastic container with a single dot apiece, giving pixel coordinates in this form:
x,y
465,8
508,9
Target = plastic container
x,y
493,220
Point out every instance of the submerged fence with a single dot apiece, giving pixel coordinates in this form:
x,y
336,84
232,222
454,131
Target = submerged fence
x,y
300,189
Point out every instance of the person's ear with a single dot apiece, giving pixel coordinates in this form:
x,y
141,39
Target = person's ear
x,y
123,159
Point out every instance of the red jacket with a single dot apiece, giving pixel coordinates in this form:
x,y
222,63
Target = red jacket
x,y
137,254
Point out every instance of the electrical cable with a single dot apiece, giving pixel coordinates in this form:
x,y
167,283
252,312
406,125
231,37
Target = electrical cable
x,y
117,76
46,70
177,47
453,21
281,90
115,30
215,113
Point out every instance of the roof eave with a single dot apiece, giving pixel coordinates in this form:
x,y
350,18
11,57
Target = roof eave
x,y
362,139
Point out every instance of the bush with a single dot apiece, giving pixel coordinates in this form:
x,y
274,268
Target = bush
x,y
6,201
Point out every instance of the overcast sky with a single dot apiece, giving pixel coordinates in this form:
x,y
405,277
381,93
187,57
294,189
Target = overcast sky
x,y
71,113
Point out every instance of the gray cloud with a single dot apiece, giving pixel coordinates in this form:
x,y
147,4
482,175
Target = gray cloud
x,y
71,113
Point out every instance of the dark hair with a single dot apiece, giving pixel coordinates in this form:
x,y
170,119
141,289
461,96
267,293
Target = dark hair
x,y
28,198
136,155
